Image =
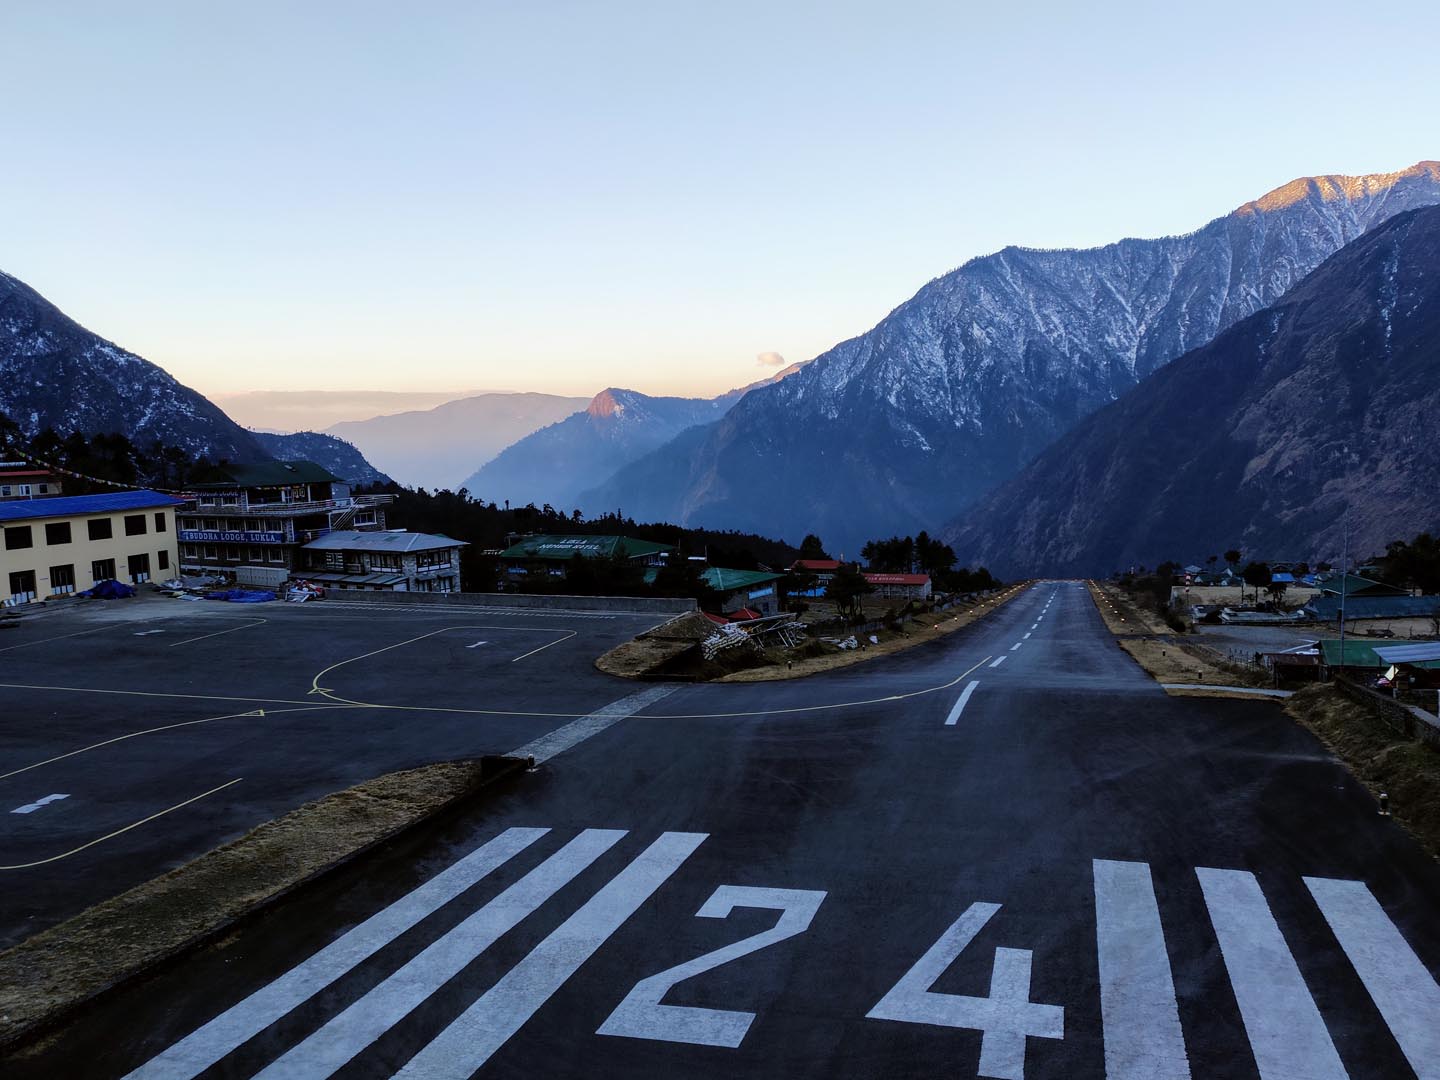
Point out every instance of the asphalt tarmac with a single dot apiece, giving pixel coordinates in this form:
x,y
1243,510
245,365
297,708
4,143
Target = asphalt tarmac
x,y
1003,854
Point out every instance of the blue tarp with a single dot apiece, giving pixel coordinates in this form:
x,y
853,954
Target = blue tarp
x,y
243,596
109,590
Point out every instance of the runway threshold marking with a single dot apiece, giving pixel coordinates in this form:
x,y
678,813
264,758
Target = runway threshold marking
x,y
30,808
404,990
1287,1034
208,1044
961,703
473,1037
127,828
1140,1015
1403,990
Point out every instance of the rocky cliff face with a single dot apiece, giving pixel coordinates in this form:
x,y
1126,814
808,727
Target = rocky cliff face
x,y
55,373
1324,404
954,391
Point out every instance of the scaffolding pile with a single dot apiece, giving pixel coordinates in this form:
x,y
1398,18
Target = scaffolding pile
x,y
759,634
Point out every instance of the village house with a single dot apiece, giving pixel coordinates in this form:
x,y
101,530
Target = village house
x,y
21,480
265,514
390,560
899,586
58,546
552,553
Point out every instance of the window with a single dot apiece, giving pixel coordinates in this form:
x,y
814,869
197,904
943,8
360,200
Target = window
x,y
62,580
139,568
17,537
160,521
134,524
5,491
210,552
189,551
100,528
163,560
102,569
24,490
277,556
57,532
22,586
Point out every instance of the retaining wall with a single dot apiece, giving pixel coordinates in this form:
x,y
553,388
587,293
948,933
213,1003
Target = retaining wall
x,y
640,605
1406,719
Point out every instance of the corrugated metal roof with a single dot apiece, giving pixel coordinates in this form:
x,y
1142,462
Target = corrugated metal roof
x,y
1364,653
75,505
1355,585
881,578
567,546
383,540
1375,607
723,580
1408,654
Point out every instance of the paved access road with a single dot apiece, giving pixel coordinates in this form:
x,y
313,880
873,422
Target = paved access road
x,y
1006,854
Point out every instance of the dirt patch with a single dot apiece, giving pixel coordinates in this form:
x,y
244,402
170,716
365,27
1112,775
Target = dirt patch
x,y
1406,769
652,652
920,629
68,964
1122,614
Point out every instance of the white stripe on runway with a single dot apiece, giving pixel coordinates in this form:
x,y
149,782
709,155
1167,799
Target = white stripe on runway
x,y
1026,635
206,1045
1016,645
1404,992
577,731
960,704
351,1031
1286,1031
470,1040
998,662
1143,1040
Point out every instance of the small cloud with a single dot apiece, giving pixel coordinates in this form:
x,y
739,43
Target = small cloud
x,y
769,359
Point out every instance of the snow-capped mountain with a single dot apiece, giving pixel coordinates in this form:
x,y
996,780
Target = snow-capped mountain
x,y
555,464
55,373
1315,412
901,428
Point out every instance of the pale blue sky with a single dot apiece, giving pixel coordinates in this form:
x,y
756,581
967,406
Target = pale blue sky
x,y
564,196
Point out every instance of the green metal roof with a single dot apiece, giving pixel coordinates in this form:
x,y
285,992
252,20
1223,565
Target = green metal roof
x,y
273,474
1362,653
562,547
1355,585
723,580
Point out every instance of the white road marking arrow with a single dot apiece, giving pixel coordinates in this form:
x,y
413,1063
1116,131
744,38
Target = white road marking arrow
x,y
30,808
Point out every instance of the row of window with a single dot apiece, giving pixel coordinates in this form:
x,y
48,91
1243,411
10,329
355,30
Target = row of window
x,y
18,537
25,491
25,588
234,553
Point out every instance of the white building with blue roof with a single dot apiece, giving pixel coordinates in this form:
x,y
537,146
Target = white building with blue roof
x,y
55,547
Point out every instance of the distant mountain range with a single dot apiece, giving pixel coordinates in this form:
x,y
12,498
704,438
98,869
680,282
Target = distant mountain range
x,y
559,464
958,388
55,373
316,410
335,454
1323,405
439,447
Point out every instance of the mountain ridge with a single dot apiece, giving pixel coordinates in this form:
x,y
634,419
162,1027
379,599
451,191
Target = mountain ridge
x,y
899,428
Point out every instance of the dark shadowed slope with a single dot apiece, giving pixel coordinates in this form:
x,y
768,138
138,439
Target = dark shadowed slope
x,y
1327,401
335,454
959,387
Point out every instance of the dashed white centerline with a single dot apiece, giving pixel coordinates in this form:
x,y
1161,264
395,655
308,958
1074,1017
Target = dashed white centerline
x,y
1016,645
960,703
1026,635
30,808
477,644
997,663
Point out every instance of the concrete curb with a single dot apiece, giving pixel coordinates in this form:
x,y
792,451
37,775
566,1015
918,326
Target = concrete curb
x,y
1255,690
493,769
